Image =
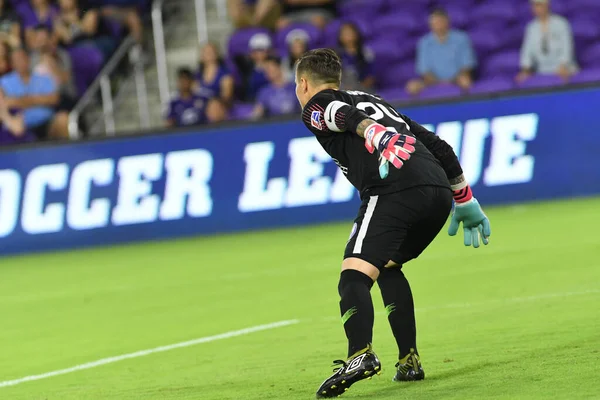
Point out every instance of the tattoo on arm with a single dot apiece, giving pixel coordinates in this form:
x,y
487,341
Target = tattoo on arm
x,y
362,127
458,182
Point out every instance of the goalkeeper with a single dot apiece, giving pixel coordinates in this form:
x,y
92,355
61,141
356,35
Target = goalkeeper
x,y
407,178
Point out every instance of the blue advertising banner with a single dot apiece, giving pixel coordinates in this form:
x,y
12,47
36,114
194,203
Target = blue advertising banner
x,y
276,174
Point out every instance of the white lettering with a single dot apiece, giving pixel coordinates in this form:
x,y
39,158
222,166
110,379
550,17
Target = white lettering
x,y
341,190
371,109
450,132
471,158
35,217
135,204
508,162
188,174
81,213
307,185
259,194
10,190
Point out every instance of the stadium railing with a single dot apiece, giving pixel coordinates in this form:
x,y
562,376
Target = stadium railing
x,y
102,86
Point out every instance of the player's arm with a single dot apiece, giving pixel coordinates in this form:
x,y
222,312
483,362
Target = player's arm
x,y
327,114
467,210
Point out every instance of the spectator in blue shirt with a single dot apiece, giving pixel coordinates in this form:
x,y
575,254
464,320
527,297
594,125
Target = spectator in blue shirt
x,y
213,78
36,96
187,108
357,60
12,125
279,96
443,56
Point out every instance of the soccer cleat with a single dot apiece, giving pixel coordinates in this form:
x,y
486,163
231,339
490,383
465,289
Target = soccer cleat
x,y
362,365
409,368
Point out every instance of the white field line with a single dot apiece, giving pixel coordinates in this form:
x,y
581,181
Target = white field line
x,y
143,353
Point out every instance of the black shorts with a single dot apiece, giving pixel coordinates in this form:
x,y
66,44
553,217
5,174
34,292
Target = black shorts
x,y
398,226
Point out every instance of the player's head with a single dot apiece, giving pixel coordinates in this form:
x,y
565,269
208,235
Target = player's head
x,y
317,70
439,22
185,80
541,8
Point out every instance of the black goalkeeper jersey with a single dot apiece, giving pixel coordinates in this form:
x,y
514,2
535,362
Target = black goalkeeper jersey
x,y
432,164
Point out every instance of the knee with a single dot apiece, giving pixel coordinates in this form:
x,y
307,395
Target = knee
x,y
351,278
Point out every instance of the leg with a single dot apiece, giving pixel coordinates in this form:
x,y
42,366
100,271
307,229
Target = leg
x,y
59,127
400,308
356,305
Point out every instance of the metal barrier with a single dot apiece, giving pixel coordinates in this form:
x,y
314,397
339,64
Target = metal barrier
x,y
102,85
158,30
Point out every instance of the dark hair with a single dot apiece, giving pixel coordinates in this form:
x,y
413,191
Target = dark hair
x,y
321,66
220,61
41,27
360,54
184,72
440,12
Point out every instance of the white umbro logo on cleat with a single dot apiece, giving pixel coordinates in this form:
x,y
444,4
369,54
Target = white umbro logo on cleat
x,y
355,364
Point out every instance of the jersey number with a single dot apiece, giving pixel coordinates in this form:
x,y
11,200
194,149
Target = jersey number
x,y
378,111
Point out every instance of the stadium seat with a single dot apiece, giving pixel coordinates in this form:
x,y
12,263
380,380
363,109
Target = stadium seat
x,y
87,63
394,75
486,41
459,16
540,81
590,56
494,12
401,25
314,35
238,42
498,84
393,94
505,63
588,75
585,29
362,7
440,91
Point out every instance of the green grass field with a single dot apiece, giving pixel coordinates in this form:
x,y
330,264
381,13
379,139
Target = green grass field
x,y
518,319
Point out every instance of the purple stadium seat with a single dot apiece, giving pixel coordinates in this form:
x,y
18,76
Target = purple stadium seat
x,y
238,42
394,75
587,75
501,64
540,81
489,12
440,91
486,41
313,33
241,111
388,50
585,29
349,8
401,25
87,63
591,56
459,16
393,94
575,8
498,84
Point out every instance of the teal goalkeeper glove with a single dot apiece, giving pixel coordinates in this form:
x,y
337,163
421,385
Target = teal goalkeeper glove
x,y
468,211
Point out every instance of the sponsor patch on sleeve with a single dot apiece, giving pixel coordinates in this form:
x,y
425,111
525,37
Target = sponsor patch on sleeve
x,y
315,120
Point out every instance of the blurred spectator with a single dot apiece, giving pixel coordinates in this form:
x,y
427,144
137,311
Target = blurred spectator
x,y
4,58
297,44
50,60
34,13
74,25
443,56
357,60
126,12
10,28
317,12
246,13
36,96
255,77
12,128
548,44
187,108
213,78
279,96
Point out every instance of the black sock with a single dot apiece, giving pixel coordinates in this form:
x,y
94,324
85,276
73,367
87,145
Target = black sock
x,y
356,307
400,308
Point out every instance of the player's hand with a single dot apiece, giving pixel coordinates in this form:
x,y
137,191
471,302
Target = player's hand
x,y
475,223
393,147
